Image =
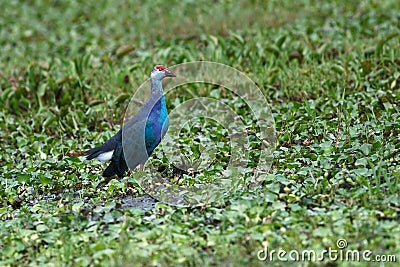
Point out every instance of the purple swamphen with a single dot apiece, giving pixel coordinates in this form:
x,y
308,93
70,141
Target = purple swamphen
x,y
145,131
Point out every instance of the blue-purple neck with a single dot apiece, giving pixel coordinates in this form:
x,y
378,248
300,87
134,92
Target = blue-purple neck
x,y
156,87
157,96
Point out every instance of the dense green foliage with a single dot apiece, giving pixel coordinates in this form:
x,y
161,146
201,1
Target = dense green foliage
x,y
329,69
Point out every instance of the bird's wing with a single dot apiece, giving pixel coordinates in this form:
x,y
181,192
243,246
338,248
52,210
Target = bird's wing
x,y
134,143
135,140
132,137
111,143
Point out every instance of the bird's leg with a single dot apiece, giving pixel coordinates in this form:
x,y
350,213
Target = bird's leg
x,y
141,167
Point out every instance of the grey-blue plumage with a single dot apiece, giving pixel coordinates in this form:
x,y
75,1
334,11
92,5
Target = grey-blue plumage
x,y
133,144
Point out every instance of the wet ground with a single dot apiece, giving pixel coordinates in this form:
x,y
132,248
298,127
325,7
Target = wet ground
x,y
144,202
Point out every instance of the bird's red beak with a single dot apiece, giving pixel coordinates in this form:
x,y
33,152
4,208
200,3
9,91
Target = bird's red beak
x,y
169,73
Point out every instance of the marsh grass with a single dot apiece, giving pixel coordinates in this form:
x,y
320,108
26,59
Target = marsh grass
x,y
330,72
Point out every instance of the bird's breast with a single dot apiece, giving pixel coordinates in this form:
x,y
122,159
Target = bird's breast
x,y
156,125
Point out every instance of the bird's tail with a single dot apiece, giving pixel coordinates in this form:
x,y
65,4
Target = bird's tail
x,y
93,153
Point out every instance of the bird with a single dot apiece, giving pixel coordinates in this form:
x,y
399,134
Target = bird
x,y
142,134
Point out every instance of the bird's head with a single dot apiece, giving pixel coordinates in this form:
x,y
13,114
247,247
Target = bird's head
x,y
160,72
